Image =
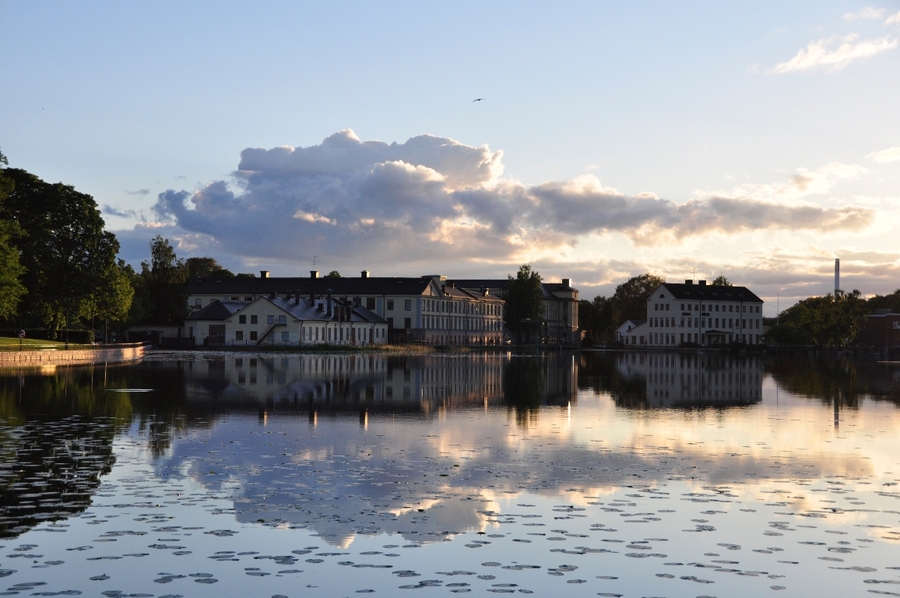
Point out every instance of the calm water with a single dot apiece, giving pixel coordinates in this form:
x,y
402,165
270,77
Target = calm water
x,y
576,475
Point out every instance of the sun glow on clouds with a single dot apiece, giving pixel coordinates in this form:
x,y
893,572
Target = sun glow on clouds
x,y
433,201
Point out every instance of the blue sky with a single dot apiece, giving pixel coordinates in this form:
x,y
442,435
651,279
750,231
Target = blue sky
x,y
759,140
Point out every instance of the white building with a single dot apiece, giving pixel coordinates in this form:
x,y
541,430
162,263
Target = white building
x,y
699,314
289,321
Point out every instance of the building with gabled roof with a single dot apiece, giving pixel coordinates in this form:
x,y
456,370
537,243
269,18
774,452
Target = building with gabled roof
x,y
426,309
289,321
699,314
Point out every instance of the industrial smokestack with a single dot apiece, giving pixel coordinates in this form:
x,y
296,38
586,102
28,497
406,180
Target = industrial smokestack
x,y
837,275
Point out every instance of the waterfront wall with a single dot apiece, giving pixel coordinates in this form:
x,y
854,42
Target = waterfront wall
x,y
116,354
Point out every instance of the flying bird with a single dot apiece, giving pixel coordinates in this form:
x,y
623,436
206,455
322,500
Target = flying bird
x,y
478,100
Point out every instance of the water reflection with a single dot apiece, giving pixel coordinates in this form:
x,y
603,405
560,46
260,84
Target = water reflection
x,y
654,380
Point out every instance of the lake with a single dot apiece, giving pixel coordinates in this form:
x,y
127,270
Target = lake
x,y
611,474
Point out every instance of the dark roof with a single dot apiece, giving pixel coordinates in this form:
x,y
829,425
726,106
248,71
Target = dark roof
x,y
306,285
218,310
709,292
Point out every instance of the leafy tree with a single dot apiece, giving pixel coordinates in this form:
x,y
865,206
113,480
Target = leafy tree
x,y
11,269
525,301
833,320
721,281
163,281
63,246
333,274
113,295
891,302
595,319
629,302
205,267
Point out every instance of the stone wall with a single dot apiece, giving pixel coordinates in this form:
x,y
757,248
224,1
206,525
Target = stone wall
x,y
116,354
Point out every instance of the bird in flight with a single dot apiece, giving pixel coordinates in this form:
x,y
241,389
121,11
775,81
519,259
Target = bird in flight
x,y
478,100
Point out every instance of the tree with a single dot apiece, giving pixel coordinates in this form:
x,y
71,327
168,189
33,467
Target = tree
x,y
595,318
525,301
162,283
833,320
205,267
11,269
333,274
721,281
112,298
629,302
63,246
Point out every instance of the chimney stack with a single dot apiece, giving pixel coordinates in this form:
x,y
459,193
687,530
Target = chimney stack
x,y
263,273
313,273
364,274
837,275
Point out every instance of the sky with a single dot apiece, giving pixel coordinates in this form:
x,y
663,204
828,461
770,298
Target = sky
x,y
756,140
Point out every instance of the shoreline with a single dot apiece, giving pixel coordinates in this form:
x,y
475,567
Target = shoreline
x,y
60,357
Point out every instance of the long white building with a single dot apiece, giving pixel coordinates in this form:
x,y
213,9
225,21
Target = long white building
x,y
699,314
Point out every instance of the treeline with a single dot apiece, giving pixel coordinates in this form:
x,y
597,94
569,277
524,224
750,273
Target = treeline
x,y
60,271
834,320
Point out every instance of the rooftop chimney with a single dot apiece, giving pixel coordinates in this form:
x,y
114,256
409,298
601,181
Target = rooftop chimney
x,y
364,274
565,282
702,283
313,273
263,273
688,281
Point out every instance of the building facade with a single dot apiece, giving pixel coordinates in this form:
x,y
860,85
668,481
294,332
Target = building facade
x,y
427,309
699,314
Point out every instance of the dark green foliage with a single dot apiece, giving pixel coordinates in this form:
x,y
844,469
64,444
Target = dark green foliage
x,y
595,319
161,286
721,281
63,247
11,269
205,267
832,321
333,274
524,303
629,302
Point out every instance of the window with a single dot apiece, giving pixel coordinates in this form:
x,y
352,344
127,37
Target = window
x,y
234,298
370,302
285,335
254,320
252,335
407,323
242,319
390,322
282,320
239,335
198,302
390,304
407,305
270,319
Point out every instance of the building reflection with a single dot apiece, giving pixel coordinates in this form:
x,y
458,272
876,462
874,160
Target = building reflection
x,y
661,380
379,383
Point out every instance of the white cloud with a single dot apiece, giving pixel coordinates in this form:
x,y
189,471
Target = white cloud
x,y
894,19
866,13
835,53
891,154
431,199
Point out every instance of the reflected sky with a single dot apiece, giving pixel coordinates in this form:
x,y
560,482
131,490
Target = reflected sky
x,y
584,474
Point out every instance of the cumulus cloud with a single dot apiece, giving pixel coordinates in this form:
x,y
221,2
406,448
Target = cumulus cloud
x,y
891,154
431,198
894,19
835,53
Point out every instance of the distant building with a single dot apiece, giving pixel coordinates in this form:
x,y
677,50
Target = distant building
x,y
286,321
701,314
560,320
427,309
882,329
623,330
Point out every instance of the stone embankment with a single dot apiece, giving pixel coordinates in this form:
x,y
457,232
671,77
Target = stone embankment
x,y
38,359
